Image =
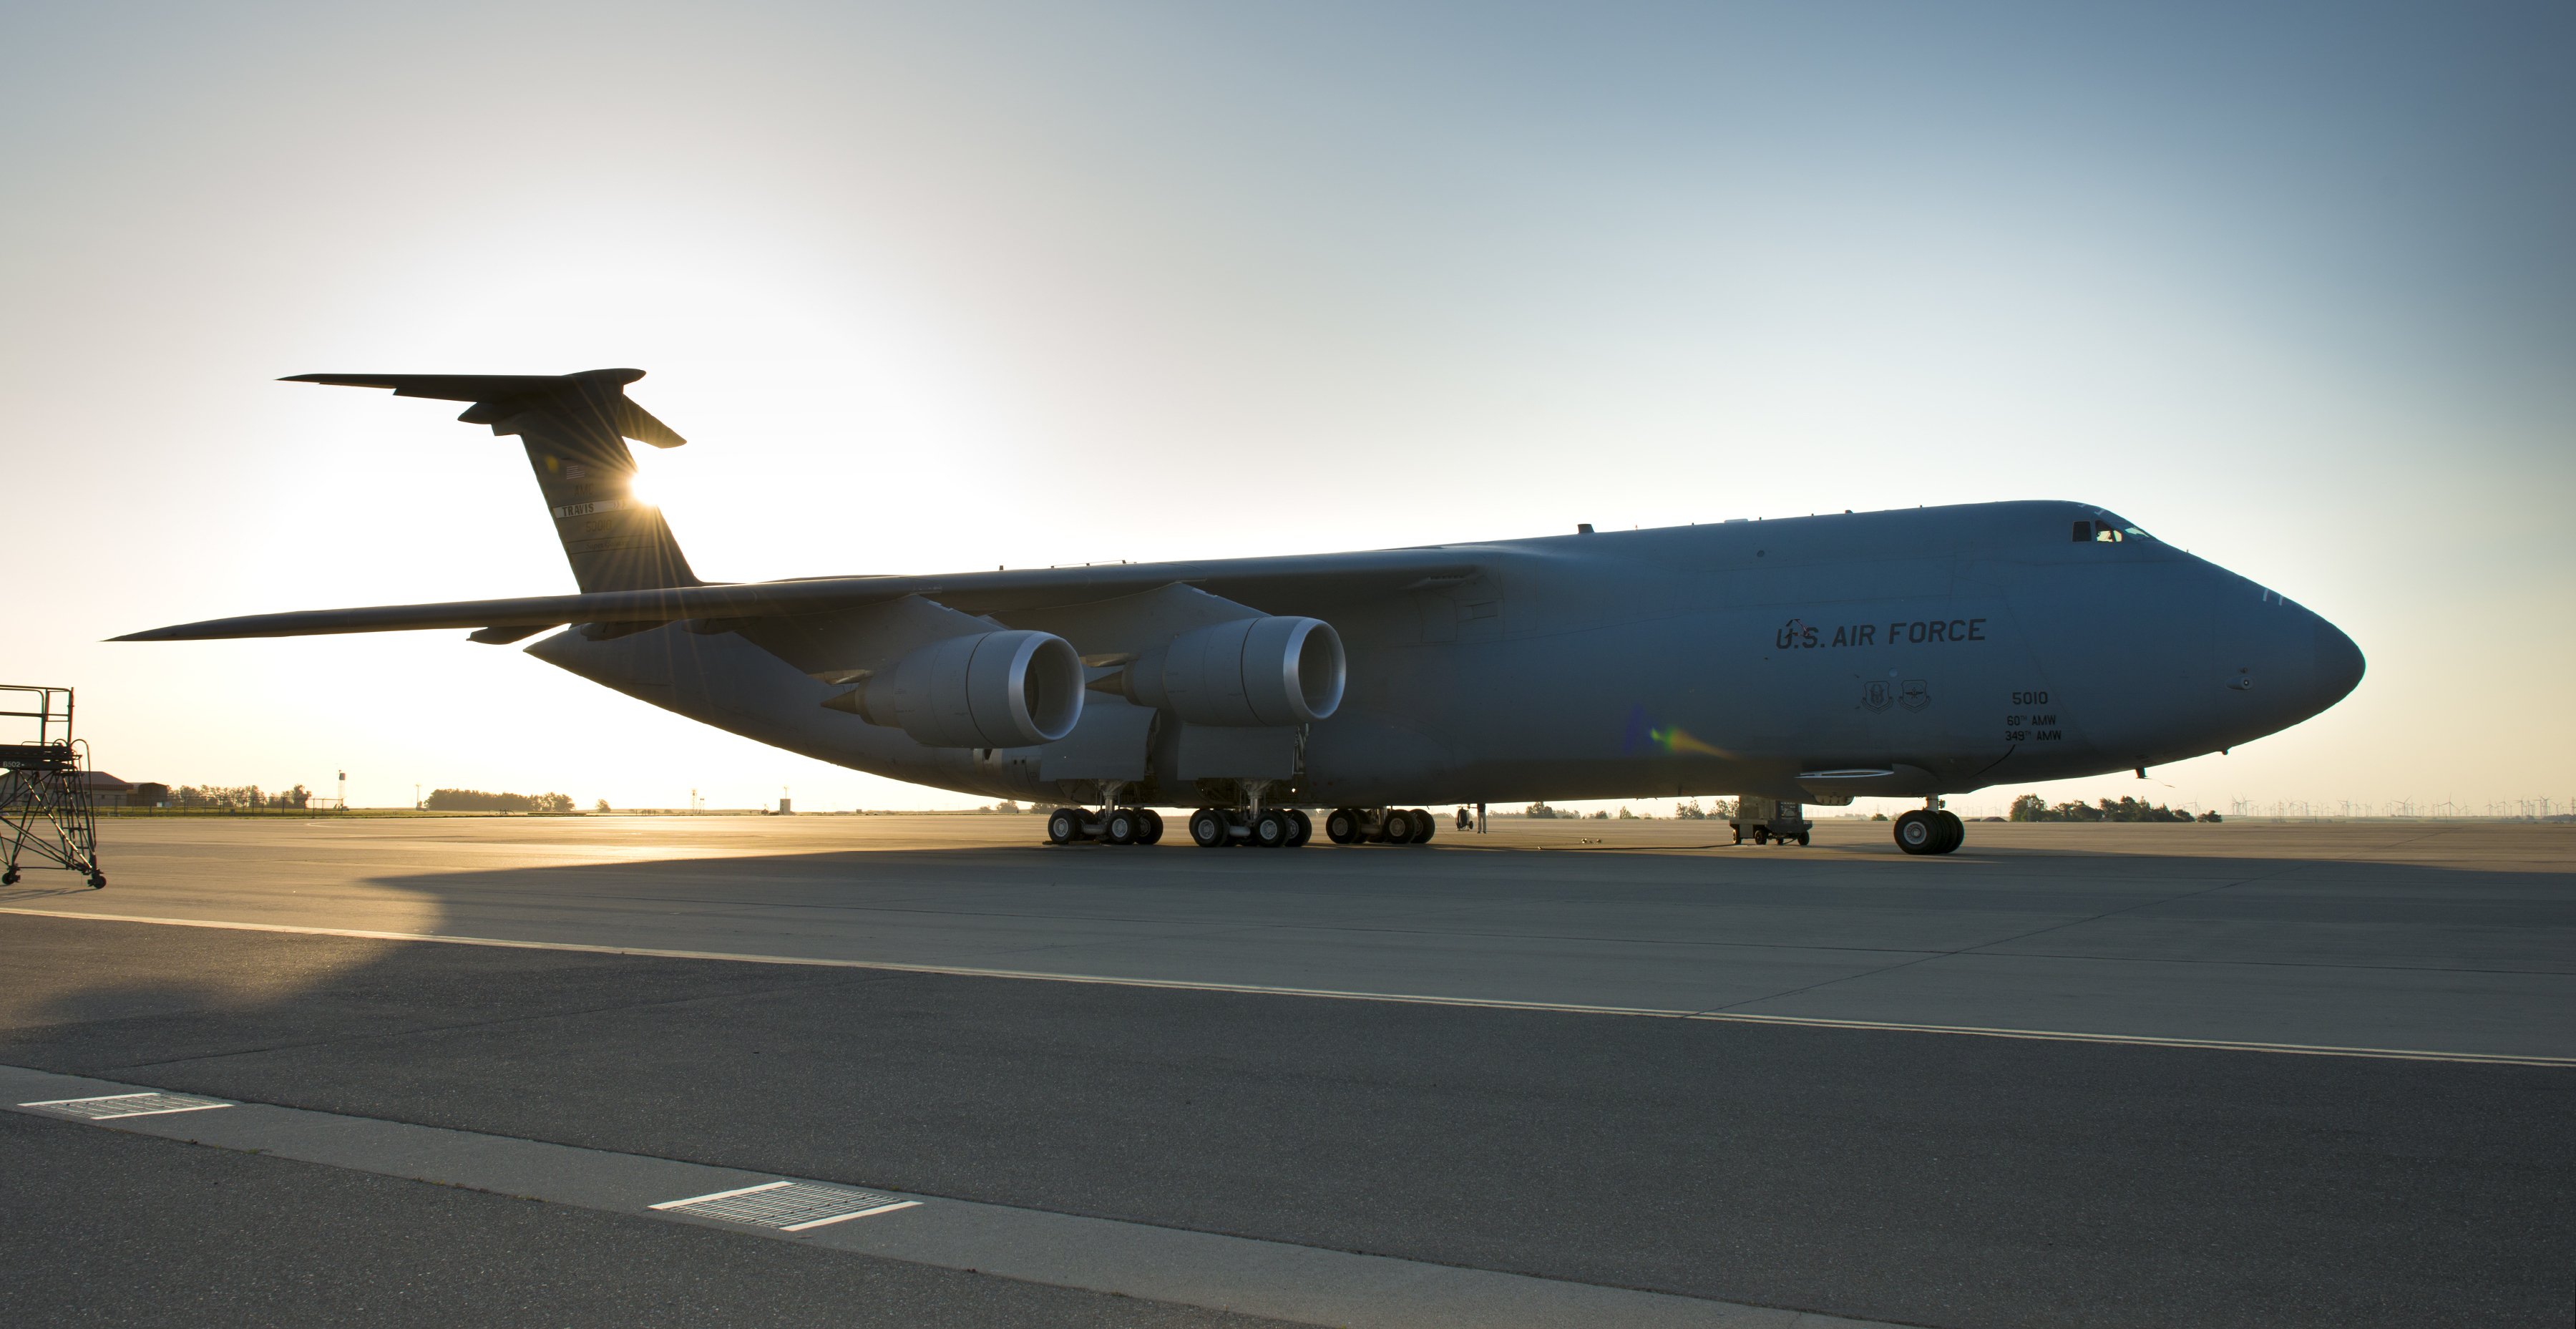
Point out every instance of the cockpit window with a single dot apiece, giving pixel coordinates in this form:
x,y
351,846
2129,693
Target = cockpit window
x,y
2108,532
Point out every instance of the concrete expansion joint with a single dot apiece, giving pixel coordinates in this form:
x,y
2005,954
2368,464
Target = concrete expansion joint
x,y
1248,1276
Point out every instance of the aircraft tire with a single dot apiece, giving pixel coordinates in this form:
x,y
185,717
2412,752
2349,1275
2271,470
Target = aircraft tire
x,y
1954,832
1122,826
1918,833
1153,826
1342,826
1397,828
1064,826
1208,829
1305,828
1423,825
1273,830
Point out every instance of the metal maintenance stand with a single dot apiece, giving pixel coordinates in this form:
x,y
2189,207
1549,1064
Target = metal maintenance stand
x,y
45,811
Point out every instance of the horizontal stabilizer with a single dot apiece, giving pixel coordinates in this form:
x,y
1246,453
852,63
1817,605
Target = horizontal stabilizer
x,y
496,396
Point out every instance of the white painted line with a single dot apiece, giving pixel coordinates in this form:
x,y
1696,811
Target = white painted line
x,y
843,1218
788,1206
117,1107
1404,998
720,1195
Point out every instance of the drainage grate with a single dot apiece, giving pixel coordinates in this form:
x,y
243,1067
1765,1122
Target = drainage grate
x,y
125,1105
789,1206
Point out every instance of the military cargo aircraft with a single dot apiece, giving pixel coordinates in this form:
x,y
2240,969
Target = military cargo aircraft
x,y
1913,654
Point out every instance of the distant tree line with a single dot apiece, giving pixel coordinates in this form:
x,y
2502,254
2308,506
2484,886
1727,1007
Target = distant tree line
x,y
476,800
235,797
2031,807
1543,812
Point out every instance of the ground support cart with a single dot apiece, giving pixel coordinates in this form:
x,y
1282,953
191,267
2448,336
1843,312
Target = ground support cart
x,y
1769,819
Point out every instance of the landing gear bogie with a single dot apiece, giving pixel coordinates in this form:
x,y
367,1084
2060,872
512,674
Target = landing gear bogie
x,y
1115,825
1380,826
1269,828
1930,831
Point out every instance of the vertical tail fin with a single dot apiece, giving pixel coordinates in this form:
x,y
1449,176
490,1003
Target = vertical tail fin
x,y
575,428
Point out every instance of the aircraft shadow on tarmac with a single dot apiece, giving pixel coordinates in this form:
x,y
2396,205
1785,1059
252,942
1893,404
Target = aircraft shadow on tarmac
x,y
2311,950
1606,929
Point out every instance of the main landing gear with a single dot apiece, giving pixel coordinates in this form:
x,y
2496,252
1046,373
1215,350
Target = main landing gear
x,y
1255,828
1930,830
1380,826
1112,825
1268,828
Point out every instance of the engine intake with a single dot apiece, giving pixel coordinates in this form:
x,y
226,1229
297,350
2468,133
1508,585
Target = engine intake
x,y
1249,672
990,690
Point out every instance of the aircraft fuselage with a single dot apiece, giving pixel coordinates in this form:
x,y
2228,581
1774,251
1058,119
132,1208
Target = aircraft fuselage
x,y
1900,653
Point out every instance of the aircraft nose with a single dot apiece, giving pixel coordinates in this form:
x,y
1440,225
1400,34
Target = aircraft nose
x,y
2339,664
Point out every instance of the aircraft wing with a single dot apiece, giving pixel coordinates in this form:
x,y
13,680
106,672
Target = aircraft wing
x,y
1281,582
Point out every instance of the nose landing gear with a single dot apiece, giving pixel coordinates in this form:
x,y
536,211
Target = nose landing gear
x,y
1930,830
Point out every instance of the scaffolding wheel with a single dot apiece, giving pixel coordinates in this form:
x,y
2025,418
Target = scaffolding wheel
x,y
97,881
9,878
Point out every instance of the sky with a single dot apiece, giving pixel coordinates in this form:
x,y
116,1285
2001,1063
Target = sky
x,y
950,286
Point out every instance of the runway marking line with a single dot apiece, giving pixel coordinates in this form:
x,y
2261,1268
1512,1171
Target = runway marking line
x,y
788,1200
1403,998
720,1195
118,1107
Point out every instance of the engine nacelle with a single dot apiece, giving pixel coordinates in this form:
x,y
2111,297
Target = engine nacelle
x,y
990,690
1252,671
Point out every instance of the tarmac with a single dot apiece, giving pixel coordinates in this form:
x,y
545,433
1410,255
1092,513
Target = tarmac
x,y
1570,1072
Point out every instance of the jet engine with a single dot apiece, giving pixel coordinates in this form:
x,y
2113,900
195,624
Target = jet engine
x,y
1248,672
988,690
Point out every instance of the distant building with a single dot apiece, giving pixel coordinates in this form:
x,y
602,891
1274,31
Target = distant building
x,y
106,791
